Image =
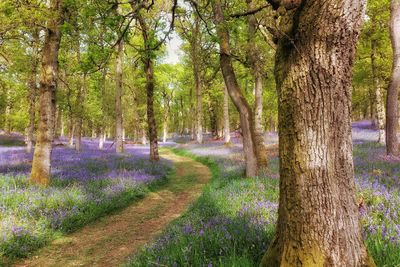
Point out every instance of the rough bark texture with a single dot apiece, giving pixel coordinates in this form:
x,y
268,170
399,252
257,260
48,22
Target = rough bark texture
x,y
32,91
48,85
227,130
149,71
392,101
379,106
245,112
119,144
253,54
318,218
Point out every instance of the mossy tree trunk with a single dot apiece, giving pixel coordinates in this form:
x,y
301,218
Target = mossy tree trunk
x,y
48,85
147,58
392,100
318,217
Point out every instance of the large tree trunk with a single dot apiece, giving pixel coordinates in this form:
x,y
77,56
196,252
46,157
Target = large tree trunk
x,y
253,53
32,91
379,106
119,143
245,112
318,217
149,71
392,100
227,130
48,85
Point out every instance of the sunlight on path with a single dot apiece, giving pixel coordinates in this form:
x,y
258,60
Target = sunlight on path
x,y
110,240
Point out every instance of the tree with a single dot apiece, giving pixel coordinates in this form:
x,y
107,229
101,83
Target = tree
x,y
392,100
243,107
318,218
227,130
48,85
119,143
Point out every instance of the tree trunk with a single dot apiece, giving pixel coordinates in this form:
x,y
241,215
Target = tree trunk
x,y
119,144
71,132
32,91
79,120
318,217
7,114
227,131
392,100
197,79
379,106
147,59
101,139
245,112
253,53
48,85
165,131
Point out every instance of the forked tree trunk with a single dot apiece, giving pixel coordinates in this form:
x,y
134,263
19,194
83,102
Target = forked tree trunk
x,y
48,85
392,101
253,53
32,91
149,71
245,112
227,130
119,143
318,217
379,106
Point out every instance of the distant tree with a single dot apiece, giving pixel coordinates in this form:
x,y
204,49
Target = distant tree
x,y
318,217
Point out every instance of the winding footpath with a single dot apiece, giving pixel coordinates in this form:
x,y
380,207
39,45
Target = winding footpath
x,y
111,239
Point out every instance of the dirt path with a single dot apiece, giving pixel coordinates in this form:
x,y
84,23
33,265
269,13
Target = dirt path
x,y
110,240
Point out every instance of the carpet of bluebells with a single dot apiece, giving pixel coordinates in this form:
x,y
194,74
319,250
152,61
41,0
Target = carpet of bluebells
x,y
85,185
234,220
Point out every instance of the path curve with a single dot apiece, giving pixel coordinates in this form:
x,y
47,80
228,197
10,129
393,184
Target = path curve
x,y
111,239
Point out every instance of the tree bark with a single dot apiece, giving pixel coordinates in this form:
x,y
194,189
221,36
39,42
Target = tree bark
x,y
147,59
41,163
253,53
119,144
32,91
392,101
245,112
318,217
227,131
379,106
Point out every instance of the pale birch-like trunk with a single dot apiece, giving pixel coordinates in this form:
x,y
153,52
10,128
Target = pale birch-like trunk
x,y
227,130
119,143
379,106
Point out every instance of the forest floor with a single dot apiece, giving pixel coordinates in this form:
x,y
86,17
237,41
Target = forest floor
x,y
111,239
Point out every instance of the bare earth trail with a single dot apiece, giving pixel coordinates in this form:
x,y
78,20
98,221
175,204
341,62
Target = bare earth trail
x,y
110,240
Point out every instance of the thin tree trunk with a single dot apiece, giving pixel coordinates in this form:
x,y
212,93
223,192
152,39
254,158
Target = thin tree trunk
x,y
71,132
245,112
253,53
101,139
8,112
379,106
79,120
41,163
149,71
392,101
318,217
32,91
119,144
227,131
